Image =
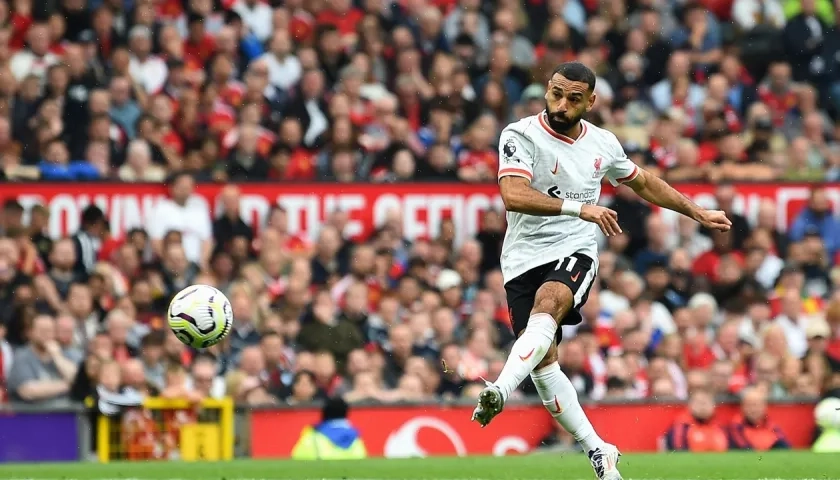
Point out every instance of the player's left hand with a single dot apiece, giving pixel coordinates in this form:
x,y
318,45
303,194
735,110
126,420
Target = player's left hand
x,y
714,219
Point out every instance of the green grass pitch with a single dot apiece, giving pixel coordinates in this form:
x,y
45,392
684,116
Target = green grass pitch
x,y
548,466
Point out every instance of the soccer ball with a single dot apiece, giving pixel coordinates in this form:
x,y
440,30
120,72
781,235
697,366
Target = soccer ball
x,y
200,316
827,413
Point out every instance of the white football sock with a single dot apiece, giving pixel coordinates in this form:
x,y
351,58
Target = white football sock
x,y
527,352
561,400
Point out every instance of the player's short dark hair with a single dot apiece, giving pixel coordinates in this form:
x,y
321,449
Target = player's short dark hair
x,y
576,72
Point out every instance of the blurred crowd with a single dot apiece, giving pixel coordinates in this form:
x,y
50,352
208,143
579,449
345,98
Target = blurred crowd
x,y
383,91
713,91
675,311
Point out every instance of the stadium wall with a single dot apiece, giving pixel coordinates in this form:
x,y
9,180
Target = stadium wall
x,y
430,430
423,205
36,436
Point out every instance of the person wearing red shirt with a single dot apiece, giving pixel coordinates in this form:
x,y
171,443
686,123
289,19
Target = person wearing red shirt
x,y
300,162
250,115
664,141
169,10
707,264
221,79
753,429
478,161
161,109
697,354
342,15
695,430
20,21
278,221
777,92
199,46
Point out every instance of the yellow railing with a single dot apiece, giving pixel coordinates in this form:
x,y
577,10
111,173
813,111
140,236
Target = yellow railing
x,y
168,429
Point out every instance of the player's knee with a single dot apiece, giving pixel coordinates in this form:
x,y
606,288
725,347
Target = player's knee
x,y
553,298
549,358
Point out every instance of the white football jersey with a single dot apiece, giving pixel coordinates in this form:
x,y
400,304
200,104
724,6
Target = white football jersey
x,y
563,168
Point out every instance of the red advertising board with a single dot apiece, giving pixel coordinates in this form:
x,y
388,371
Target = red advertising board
x,y
411,431
422,206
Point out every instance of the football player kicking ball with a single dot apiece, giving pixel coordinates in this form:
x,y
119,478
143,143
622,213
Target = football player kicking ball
x,y
550,170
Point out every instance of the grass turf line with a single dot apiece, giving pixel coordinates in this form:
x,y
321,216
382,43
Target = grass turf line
x,y
681,466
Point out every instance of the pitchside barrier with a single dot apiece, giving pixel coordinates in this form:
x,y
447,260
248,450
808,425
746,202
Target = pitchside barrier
x,y
166,429
214,430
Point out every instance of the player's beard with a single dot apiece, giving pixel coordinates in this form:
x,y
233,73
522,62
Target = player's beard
x,y
561,123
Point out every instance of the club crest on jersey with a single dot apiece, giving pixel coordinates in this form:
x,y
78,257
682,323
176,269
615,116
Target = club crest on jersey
x,y
509,150
597,167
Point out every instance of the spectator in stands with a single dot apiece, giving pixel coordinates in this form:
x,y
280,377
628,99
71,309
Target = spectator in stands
x,y
88,240
695,430
304,389
329,330
184,208
36,59
151,354
138,164
819,218
203,379
752,429
41,374
65,329
111,398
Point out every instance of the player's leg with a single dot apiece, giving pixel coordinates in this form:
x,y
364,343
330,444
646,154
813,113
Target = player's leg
x,y
556,390
561,400
535,317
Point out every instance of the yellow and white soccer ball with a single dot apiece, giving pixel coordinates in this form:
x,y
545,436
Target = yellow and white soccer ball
x,y
827,413
200,316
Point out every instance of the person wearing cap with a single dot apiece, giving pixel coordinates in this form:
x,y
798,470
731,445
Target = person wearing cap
x,y
817,333
333,438
449,284
532,101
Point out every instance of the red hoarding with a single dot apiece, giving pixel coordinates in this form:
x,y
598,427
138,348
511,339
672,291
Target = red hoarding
x,y
422,205
410,431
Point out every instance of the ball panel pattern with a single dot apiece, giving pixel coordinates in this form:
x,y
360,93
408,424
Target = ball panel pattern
x,y
200,316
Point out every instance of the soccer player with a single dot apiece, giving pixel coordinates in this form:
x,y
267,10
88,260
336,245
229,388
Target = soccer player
x,y
550,171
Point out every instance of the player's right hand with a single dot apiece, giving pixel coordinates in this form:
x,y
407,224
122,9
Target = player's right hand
x,y
605,218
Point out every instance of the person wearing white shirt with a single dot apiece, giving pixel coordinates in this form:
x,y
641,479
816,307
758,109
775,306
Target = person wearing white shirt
x,y
138,164
661,93
257,16
793,323
186,213
284,69
148,70
748,13
36,59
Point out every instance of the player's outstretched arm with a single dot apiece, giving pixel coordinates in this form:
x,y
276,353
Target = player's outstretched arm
x,y
657,191
521,198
